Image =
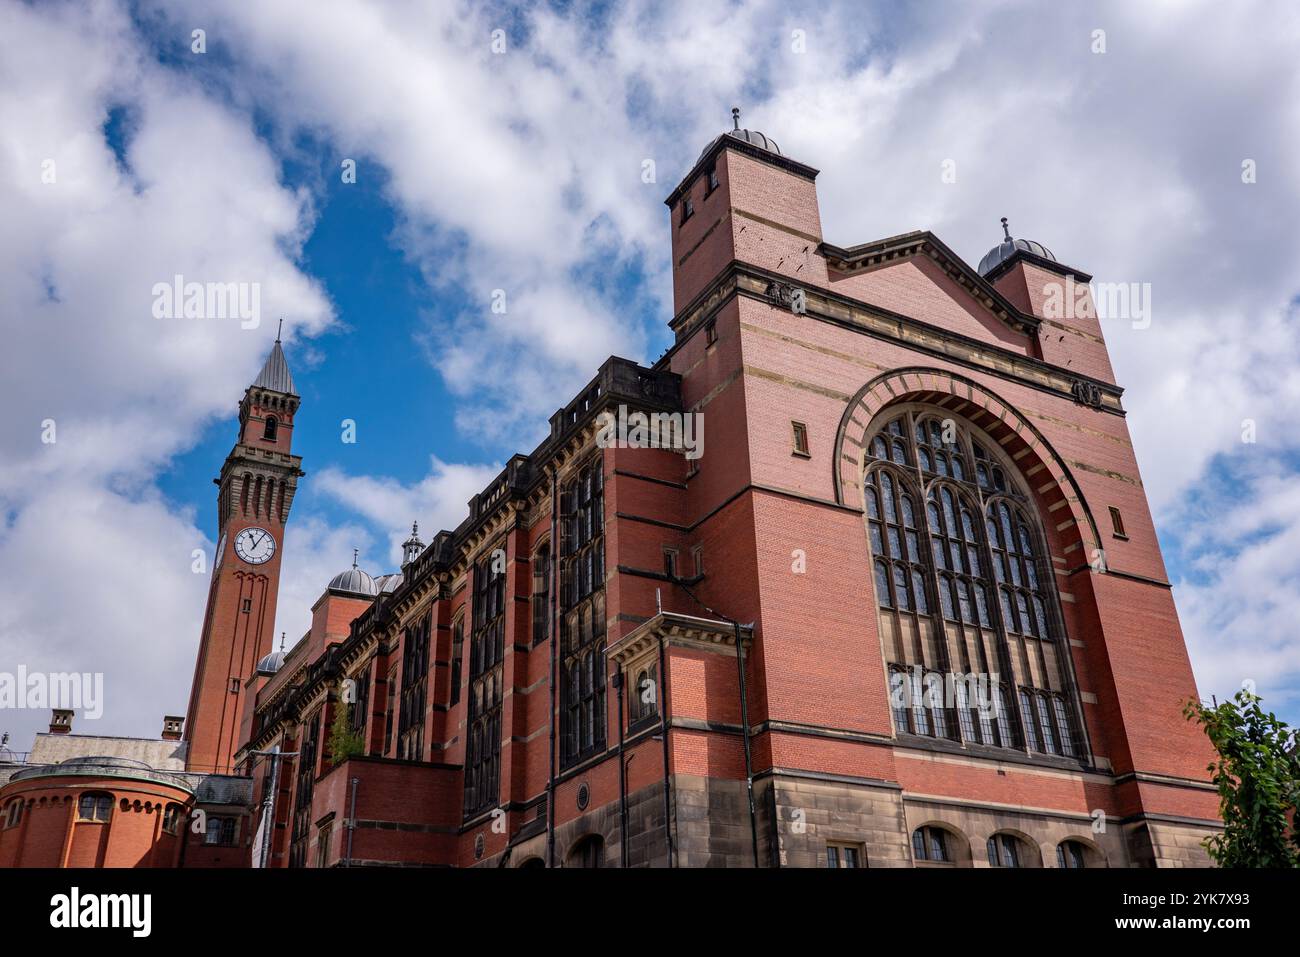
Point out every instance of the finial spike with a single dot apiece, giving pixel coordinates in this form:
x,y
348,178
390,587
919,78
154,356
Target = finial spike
x,y
280,330
735,117
1006,230
415,528
282,641
354,557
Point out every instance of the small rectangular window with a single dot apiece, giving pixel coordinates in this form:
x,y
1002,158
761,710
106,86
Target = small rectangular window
x,y
248,605
670,562
839,854
688,208
323,845
800,440
697,558
234,686
710,333
1117,522
713,181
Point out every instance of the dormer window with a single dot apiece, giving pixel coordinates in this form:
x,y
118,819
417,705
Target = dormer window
x,y
272,427
688,208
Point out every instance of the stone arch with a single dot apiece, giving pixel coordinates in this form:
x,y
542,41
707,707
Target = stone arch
x,y
1043,469
1094,856
1031,851
586,851
959,846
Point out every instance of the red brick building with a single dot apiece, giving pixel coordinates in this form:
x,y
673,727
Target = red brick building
x,y
911,469
907,608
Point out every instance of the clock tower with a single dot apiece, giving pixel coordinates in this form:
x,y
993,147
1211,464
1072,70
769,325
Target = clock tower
x,y
257,485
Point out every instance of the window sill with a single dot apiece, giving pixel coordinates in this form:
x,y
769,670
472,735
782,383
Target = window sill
x,y
800,455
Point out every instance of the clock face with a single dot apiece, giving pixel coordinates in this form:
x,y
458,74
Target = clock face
x,y
255,545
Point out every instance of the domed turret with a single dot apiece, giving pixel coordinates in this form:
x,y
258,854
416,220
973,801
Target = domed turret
x,y
354,580
752,137
273,662
1008,248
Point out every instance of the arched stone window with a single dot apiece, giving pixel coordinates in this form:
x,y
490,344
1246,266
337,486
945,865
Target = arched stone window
x,y
1007,850
1076,854
271,428
172,817
969,616
932,845
588,852
14,813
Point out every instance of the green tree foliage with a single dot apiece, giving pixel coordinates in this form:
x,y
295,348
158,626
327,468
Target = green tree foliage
x,y
1257,772
344,743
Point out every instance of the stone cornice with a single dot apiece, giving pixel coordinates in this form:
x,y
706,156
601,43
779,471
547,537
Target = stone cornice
x,y
687,631
742,279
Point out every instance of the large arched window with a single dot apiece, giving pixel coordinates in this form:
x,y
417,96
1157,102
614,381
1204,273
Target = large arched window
x,y
542,593
582,614
486,686
968,611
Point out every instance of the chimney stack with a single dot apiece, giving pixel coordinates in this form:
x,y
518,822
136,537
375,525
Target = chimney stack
x,y
172,727
61,721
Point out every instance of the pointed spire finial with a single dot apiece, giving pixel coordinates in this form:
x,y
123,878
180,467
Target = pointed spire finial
x,y
1006,229
735,117
282,641
280,330
354,557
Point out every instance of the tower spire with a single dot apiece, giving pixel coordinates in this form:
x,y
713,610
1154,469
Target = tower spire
x,y
275,375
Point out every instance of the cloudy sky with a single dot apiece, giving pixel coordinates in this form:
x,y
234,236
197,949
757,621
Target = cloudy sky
x,y
502,148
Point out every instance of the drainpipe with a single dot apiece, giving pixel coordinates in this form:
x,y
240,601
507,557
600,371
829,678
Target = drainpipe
x,y
555,640
622,769
744,728
352,820
663,734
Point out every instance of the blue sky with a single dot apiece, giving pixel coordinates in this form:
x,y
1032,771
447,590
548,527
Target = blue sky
x,y
521,170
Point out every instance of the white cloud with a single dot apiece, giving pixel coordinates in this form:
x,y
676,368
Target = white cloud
x,y
95,567
1241,600
438,501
